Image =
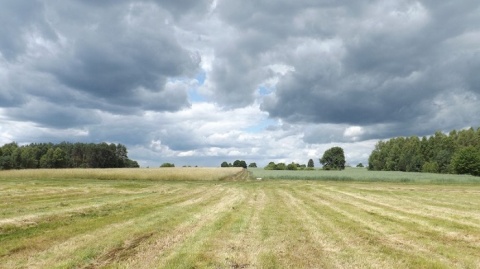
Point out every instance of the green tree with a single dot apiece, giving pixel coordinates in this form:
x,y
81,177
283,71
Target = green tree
x,y
377,159
243,164
333,159
167,165
48,155
360,165
16,158
224,164
29,157
252,165
430,167
121,155
47,160
310,163
270,166
239,163
59,158
280,166
5,163
292,166
132,164
467,161
434,154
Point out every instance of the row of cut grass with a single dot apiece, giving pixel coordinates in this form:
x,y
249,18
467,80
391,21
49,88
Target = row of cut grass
x,y
92,223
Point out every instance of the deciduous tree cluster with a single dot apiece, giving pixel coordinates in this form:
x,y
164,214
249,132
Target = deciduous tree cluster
x,y
64,155
236,163
458,152
283,166
333,159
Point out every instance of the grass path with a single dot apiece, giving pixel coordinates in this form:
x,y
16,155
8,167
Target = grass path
x,y
65,223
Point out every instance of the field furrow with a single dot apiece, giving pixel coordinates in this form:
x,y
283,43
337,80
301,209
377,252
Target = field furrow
x,y
286,242
171,246
420,239
77,234
360,243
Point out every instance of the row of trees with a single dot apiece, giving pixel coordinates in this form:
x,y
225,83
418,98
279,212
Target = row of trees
x,y
238,163
458,152
291,166
283,166
64,155
332,159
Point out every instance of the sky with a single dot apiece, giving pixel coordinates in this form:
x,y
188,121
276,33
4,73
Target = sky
x,y
199,82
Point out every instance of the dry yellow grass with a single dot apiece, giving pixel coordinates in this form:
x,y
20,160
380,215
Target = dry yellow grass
x,y
180,173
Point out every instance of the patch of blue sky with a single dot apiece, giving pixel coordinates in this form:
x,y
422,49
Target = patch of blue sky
x,y
193,93
201,77
195,97
263,90
261,126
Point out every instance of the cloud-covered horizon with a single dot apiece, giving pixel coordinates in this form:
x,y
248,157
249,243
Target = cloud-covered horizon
x,y
200,82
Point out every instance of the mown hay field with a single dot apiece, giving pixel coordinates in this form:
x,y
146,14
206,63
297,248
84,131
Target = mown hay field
x,y
232,221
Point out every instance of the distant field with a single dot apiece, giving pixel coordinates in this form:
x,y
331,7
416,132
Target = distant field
x,y
181,173
362,174
49,220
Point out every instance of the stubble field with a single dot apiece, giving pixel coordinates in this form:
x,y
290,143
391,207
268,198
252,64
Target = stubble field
x,y
99,220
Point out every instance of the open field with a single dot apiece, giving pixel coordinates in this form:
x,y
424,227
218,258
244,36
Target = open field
x,y
230,222
183,173
362,174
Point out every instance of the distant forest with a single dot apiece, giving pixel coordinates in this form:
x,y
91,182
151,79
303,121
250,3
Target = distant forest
x,y
458,153
64,155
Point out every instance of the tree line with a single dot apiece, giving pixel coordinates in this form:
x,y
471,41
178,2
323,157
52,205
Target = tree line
x,y
64,155
332,159
290,166
238,163
457,152
283,166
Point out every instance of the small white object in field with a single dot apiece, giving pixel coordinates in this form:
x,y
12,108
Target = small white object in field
x,y
259,178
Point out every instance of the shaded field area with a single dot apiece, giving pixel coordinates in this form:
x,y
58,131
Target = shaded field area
x,y
233,222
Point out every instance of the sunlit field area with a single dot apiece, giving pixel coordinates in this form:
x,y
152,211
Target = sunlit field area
x,y
226,218
163,174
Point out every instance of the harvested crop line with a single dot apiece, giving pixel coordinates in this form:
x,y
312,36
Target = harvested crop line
x,y
140,218
236,222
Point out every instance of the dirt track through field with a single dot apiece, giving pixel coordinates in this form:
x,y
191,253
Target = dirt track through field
x,y
237,223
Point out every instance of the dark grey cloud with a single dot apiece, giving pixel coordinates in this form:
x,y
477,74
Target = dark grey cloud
x,y
53,115
385,65
178,11
347,99
116,56
370,63
262,33
119,52
18,19
9,97
182,8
